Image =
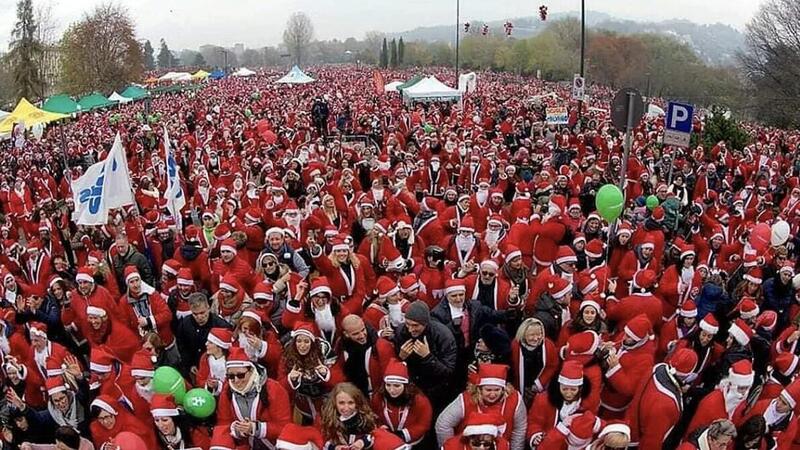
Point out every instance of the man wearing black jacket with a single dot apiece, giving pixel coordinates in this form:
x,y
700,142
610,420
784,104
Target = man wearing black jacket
x,y
191,331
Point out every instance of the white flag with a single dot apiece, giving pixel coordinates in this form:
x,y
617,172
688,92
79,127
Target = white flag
x,y
174,195
104,186
117,185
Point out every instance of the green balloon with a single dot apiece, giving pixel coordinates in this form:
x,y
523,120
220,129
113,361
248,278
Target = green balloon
x,y
428,128
609,202
652,202
167,380
199,403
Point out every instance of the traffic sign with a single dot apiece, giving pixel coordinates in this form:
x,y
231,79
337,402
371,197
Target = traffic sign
x,y
678,124
619,108
578,87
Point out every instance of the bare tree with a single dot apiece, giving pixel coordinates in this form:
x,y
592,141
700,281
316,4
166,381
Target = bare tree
x,y
47,31
298,36
373,40
771,61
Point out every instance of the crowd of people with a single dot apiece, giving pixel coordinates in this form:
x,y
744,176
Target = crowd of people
x,y
443,281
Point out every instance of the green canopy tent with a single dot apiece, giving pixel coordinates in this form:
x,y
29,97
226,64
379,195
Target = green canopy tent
x,y
94,101
62,104
414,80
135,92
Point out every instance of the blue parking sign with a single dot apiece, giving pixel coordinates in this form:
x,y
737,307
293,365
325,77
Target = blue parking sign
x,y
678,124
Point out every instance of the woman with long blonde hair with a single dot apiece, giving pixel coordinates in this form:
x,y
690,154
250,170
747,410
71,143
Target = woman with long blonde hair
x,y
348,421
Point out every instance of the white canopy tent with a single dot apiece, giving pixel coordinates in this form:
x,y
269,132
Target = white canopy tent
x,y
114,97
295,76
244,72
654,110
392,87
467,82
3,114
431,89
176,76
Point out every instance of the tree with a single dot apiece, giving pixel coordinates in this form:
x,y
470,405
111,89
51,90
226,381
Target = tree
x,y
100,52
252,58
401,51
372,42
199,61
771,61
26,52
718,128
149,59
298,36
164,56
384,55
393,59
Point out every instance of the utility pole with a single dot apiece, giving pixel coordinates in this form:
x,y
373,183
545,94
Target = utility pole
x,y
458,33
583,51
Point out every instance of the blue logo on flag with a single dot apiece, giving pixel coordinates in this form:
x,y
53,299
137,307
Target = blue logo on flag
x,y
172,171
93,195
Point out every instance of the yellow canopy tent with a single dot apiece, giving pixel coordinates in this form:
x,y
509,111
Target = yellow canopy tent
x,y
28,114
200,75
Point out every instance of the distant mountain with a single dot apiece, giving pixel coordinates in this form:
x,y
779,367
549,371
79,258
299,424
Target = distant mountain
x,y
716,44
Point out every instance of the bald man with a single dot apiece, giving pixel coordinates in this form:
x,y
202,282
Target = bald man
x,y
365,354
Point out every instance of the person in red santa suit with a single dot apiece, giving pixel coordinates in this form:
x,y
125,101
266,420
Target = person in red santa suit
x,y
319,308
378,248
576,431
780,414
727,401
110,376
102,329
103,274
433,179
410,247
465,249
109,418
492,291
565,396
20,207
259,339
547,233
783,369
142,371
386,312
87,293
629,364
679,327
193,256
211,368
145,310
231,264
42,349
349,274
641,258
679,283
427,225
563,266
252,408
452,215
490,394
38,267
641,301
402,408
476,169
658,404
719,434
481,430
172,427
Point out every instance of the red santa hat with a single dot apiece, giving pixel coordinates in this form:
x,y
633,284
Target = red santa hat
x,y
142,364
185,277
687,250
304,329
253,314
386,287
688,309
274,230
222,232
237,358
396,372
479,423
297,437
38,329
163,405
454,285
229,283
558,287
339,244
408,283
389,254
492,375
594,249
624,228
467,224
791,393
319,286
131,273
619,427
511,252
788,267
639,328
263,293
583,343
101,360
557,204
95,257
645,280
106,403
682,361
85,274
785,363
221,337
754,275
571,374
709,324
580,431
748,309
741,332
565,255
191,233
53,280
741,373
228,245
95,311
54,385
171,267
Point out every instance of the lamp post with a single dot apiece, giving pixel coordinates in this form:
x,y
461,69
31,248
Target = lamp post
x,y
458,32
583,50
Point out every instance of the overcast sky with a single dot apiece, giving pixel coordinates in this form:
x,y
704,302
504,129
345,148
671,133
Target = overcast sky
x,y
191,23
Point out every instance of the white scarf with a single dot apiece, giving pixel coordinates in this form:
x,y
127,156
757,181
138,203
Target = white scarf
x,y
216,367
456,312
771,415
567,409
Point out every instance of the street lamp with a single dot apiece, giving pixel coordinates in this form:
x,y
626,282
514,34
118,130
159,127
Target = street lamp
x,y
583,50
458,32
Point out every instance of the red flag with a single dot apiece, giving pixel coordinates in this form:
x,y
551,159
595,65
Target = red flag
x,y
377,78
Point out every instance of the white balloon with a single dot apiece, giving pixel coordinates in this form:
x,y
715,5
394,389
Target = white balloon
x,y
780,233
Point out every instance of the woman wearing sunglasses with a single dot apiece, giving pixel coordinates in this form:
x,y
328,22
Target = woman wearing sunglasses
x,y
349,423
481,432
251,406
278,285
400,406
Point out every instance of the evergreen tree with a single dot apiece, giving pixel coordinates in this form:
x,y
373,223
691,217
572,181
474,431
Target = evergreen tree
x,y
149,58
393,60
384,55
401,52
164,56
199,61
26,50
